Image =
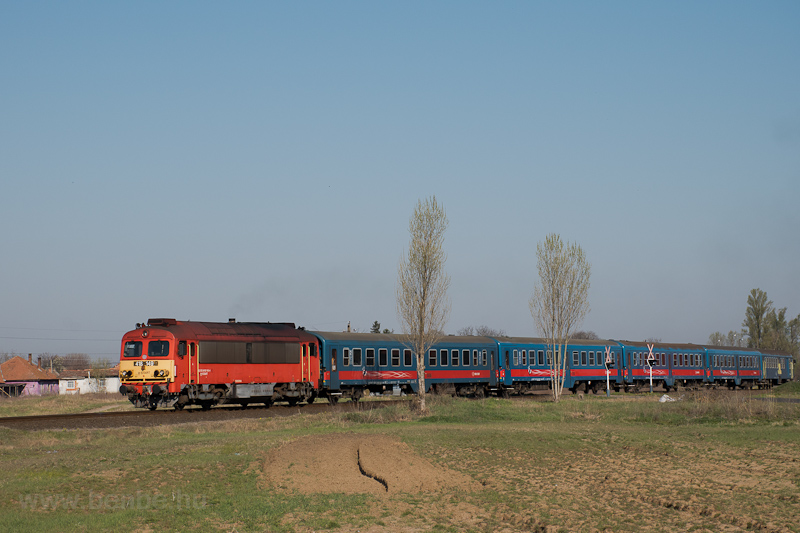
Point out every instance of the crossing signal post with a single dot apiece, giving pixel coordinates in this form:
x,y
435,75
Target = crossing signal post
x,y
609,366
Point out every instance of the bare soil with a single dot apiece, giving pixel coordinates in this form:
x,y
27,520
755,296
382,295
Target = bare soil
x,y
687,487
352,463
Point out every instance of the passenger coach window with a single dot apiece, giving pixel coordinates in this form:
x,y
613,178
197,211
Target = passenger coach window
x,y
474,357
346,357
370,356
443,357
431,357
516,357
541,357
158,349
575,360
395,357
523,357
454,357
484,358
356,356
465,358
383,357
407,357
133,349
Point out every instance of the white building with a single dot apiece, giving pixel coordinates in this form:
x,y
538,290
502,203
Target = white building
x,y
83,382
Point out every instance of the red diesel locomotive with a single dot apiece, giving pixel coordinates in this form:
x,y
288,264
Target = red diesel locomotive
x,y
172,363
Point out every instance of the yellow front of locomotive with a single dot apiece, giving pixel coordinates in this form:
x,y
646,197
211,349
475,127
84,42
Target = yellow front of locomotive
x,y
147,366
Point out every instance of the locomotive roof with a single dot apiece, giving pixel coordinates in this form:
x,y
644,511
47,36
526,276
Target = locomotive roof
x,y
286,330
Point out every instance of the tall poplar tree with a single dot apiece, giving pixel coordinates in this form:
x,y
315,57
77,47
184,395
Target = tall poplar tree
x,y
422,303
560,300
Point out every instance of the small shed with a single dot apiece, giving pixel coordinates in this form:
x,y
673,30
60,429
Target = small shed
x,y
23,378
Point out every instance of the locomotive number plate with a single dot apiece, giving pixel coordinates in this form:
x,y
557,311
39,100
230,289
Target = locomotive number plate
x,y
145,363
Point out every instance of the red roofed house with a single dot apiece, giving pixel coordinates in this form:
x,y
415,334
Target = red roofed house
x,y
23,378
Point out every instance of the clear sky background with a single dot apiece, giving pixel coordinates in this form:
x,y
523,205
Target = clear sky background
x,y
261,160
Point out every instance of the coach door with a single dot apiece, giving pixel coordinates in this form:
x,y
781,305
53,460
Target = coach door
x,y
332,367
494,371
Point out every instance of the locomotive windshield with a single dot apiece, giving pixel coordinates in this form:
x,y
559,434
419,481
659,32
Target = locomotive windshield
x,y
158,349
133,349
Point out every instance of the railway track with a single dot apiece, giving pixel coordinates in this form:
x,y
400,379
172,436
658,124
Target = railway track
x,y
145,418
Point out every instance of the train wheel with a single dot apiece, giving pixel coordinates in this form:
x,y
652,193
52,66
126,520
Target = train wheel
x,y
205,405
292,402
505,394
479,392
310,400
333,400
152,406
178,406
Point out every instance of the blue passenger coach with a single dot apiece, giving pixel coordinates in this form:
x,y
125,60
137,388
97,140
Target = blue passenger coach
x,y
357,364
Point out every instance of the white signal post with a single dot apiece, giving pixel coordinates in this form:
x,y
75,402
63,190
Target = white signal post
x,y
608,371
650,359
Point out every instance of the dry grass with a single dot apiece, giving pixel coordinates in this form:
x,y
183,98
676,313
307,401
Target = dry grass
x,y
62,403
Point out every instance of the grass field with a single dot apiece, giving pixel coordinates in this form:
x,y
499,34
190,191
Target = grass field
x,y
52,404
706,463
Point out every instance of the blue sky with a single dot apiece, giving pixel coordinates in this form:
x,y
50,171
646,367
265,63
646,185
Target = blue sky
x,y
260,160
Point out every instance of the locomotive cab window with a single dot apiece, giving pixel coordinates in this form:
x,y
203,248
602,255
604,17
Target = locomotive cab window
x,y
158,349
133,349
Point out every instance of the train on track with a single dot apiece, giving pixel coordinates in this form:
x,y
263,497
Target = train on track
x,y
172,363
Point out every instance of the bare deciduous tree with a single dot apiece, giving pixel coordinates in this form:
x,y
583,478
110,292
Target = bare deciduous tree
x,y
481,331
76,361
560,300
422,303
